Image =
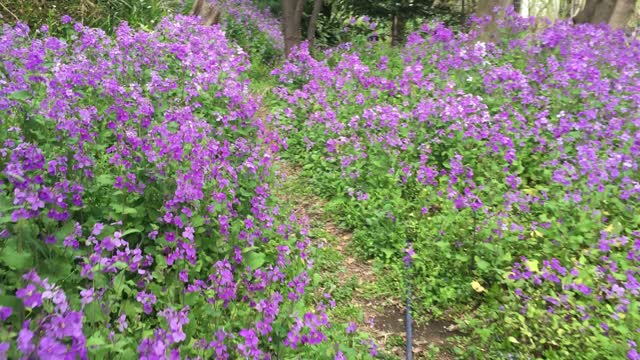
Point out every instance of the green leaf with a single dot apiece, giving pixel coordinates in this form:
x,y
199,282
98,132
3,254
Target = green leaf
x,y
532,265
197,221
131,231
118,283
10,301
94,313
482,264
95,340
19,95
123,209
254,260
65,231
105,179
131,308
15,260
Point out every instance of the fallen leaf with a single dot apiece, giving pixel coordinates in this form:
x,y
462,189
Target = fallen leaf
x,y
477,287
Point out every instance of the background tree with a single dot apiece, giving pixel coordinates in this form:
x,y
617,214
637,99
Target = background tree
x,y
292,23
398,12
616,13
488,8
209,13
313,20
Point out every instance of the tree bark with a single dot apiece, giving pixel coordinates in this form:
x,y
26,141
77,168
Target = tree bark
x,y
311,30
397,30
208,13
487,7
595,12
292,23
621,13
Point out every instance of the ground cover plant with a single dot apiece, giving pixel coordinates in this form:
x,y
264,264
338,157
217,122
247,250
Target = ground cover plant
x,y
508,169
135,204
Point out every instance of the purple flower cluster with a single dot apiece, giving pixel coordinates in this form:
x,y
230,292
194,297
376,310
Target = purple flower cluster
x,y
57,332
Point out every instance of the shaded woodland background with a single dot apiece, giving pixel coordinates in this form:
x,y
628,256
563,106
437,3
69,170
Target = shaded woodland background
x,y
323,21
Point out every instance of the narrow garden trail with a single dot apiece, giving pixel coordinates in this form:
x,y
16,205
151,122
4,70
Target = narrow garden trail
x,y
352,282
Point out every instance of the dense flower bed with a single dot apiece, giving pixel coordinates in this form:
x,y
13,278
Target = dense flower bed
x,y
484,155
135,207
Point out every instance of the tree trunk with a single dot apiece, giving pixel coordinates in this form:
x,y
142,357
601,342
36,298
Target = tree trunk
x,y
586,13
291,25
487,7
397,30
208,13
621,13
311,30
595,12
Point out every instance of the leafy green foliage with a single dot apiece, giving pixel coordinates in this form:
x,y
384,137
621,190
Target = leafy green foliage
x,y
105,14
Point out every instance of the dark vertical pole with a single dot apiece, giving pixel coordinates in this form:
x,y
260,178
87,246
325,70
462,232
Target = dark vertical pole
x,y
408,321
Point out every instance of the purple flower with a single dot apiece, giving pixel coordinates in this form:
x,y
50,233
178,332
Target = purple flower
x,y
147,300
218,345
25,338
65,19
183,275
30,296
69,325
86,296
409,254
5,312
4,349
176,320
633,354
250,346
122,322
188,233
352,327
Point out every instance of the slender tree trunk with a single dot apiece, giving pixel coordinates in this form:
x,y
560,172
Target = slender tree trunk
x,y
311,30
621,13
397,30
291,25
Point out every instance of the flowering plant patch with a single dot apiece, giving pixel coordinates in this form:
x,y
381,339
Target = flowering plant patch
x,y
135,206
481,154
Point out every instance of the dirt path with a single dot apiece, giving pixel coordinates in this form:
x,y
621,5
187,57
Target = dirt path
x,y
351,280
